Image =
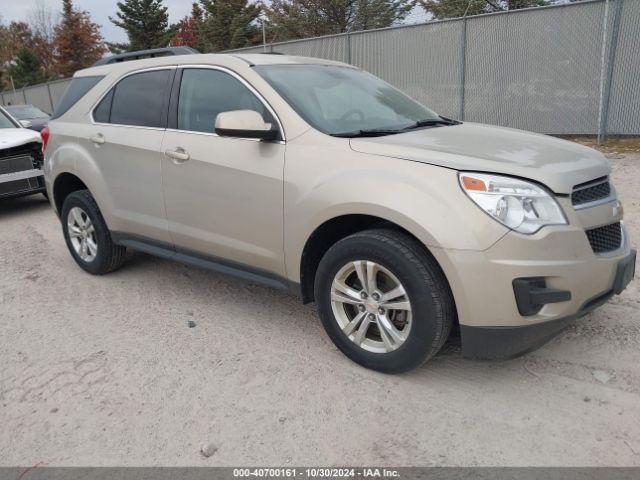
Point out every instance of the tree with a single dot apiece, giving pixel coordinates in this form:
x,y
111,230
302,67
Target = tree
x,y
26,69
229,24
146,23
42,23
458,8
77,40
379,13
289,19
190,30
12,38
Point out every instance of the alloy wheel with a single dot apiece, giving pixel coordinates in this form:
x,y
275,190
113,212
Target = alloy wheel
x,y
371,306
82,234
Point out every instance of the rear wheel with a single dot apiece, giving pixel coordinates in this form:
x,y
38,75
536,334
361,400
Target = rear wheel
x,y
383,300
87,235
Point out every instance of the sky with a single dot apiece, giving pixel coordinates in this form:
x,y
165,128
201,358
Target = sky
x,y
100,10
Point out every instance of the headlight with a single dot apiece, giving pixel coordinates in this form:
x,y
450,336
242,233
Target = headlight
x,y
522,206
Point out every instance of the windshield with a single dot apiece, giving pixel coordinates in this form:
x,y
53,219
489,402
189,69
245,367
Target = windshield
x,y
338,100
26,112
5,122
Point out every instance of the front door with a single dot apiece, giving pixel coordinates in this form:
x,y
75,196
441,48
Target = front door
x,y
223,195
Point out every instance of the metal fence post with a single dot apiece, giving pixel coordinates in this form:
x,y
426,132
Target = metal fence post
x,y
50,97
24,95
608,74
349,48
463,65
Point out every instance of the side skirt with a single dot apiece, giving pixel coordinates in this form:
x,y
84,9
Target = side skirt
x,y
216,264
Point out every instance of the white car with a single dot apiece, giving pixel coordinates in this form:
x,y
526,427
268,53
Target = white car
x,y
20,159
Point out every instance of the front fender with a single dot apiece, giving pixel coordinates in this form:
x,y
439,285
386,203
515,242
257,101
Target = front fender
x,y
426,200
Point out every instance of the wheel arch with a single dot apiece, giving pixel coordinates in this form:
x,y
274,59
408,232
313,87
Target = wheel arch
x,y
65,184
334,229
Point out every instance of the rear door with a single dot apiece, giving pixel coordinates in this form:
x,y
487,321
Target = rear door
x,y
125,138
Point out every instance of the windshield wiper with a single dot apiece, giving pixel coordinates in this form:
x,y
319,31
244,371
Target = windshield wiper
x,y
432,122
371,132
379,132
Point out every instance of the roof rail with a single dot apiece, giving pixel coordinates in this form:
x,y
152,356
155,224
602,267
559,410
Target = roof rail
x,y
140,54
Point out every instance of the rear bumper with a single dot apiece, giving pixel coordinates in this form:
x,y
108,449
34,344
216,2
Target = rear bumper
x,y
501,343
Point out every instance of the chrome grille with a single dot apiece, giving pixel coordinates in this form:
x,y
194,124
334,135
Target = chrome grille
x,y
591,191
605,239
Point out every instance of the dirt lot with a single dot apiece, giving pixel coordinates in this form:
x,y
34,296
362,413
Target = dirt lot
x,y
105,371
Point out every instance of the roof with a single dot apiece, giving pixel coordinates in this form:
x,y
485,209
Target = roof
x,y
222,59
277,59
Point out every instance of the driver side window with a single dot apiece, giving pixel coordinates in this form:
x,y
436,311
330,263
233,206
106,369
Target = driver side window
x,y
204,93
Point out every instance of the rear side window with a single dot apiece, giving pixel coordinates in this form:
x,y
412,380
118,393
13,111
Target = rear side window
x,y
139,99
77,89
204,93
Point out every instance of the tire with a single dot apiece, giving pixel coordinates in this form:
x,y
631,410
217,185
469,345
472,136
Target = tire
x,y
107,256
426,312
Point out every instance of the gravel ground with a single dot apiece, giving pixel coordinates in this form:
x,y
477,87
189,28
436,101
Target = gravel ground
x,y
104,371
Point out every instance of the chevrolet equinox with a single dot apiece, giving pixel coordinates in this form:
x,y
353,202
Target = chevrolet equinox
x,y
320,178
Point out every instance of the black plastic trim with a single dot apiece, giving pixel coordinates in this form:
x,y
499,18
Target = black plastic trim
x,y
268,135
504,343
625,272
532,294
172,119
208,262
141,54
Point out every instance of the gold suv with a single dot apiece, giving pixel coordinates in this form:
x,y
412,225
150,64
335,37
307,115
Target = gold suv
x,y
317,177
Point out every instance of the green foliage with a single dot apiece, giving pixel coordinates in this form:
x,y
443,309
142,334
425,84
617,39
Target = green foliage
x,y
458,8
229,24
26,69
290,19
146,23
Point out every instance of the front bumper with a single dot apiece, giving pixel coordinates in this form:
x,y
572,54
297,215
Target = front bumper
x,y
26,182
491,323
500,343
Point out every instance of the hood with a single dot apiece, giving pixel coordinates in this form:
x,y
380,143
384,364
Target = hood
x,y
14,137
556,163
38,124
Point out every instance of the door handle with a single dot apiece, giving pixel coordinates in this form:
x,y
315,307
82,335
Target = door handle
x,y
97,139
179,155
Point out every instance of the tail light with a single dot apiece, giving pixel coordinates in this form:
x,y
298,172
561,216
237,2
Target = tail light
x,y
45,138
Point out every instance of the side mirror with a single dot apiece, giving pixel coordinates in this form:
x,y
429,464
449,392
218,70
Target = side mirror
x,y
244,124
25,123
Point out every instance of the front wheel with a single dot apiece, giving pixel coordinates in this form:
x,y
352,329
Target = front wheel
x,y
383,300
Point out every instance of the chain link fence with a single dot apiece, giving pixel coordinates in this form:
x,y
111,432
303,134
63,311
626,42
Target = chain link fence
x,y
571,69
